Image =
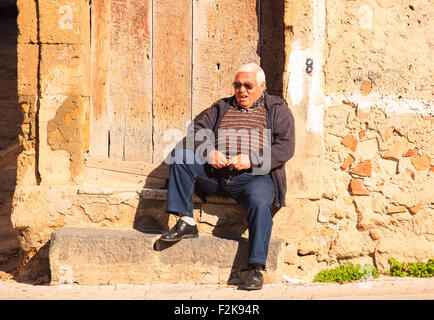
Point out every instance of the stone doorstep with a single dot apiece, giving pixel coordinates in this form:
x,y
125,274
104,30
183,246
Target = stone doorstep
x,y
149,194
95,256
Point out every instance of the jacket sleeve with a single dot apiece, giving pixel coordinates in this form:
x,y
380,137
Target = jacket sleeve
x,y
203,130
282,149
282,143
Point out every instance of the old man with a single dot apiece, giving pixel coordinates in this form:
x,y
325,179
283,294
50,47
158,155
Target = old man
x,y
241,145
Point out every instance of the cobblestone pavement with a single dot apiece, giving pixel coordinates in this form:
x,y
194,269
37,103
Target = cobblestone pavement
x,y
384,288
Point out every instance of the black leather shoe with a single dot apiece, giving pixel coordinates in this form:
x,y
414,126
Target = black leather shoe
x,y
180,231
255,279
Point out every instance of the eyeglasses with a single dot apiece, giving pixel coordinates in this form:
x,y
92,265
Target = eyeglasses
x,y
247,85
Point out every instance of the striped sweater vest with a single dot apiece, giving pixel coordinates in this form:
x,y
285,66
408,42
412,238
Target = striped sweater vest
x,y
241,132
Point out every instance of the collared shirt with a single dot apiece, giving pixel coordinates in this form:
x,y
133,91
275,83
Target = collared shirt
x,y
255,104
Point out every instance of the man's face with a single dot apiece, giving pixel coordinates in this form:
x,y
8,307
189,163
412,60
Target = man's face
x,y
245,96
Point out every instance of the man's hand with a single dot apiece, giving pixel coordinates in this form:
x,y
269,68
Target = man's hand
x,y
240,162
217,159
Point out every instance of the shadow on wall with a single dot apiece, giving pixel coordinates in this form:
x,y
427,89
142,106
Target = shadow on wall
x,y
10,127
271,47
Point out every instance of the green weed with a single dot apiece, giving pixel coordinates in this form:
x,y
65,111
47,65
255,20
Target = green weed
x,y
411,269
346,272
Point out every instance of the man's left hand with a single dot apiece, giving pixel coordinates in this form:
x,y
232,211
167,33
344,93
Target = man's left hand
x,y
240,162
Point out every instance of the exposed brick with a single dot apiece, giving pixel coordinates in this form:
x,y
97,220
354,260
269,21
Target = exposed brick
x,y
396,209
415,209
350,142
431,169
347,162
366,87
362,133
363,168
411,152
420,163
357,188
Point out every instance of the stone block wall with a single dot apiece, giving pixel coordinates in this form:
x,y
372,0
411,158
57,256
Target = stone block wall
x,y
364,130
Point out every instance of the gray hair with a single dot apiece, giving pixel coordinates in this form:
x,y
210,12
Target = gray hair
x,y
253,67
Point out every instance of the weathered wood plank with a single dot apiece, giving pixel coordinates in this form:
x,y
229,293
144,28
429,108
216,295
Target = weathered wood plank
x,y
133,167
100,48
225,36
172,71
103,178
131,80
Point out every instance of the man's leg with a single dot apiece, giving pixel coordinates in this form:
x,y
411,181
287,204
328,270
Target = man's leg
x,y
256,195
185,173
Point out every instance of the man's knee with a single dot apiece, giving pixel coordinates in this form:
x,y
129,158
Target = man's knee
x,y
184,156
260,195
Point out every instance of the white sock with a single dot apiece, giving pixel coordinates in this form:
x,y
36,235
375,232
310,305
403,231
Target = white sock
x,y
189,220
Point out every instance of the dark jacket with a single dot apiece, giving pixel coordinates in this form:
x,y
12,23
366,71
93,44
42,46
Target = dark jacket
x,y
281,123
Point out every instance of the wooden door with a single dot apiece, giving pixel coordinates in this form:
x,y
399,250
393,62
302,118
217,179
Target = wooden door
x,y
158,63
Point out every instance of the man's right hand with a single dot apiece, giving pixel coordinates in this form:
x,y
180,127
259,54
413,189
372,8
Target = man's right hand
x,y
217,159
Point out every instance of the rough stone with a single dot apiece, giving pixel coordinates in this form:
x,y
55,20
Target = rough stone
x,y
366,149
374,234
27,69
290,255
423,222
395,153
384,167
351,243
367,218
27,21
403,246
310,245
64,21
90,256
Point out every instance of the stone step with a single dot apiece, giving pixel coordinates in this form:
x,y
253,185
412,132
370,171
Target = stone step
x,y
90,256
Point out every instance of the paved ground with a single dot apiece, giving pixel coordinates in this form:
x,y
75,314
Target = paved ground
x,y
384,288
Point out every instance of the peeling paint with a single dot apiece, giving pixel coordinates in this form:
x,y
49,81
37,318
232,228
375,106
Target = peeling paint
x,y
387,103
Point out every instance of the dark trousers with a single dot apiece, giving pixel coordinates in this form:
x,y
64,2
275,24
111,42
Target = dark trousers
x,y
255,193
